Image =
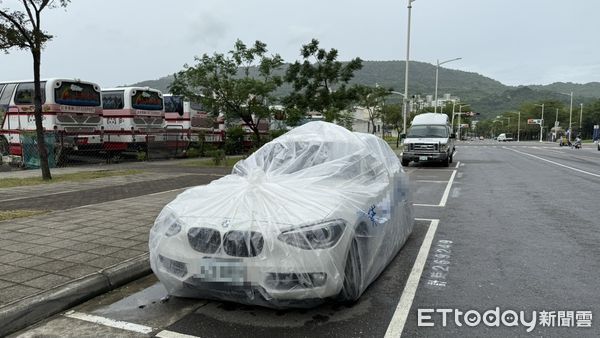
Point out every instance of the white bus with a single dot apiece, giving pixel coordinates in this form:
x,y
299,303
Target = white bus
x,y
132,116
178,117
187,119
69,107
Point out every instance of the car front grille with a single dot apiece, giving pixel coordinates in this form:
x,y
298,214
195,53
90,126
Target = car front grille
x,y
234,243
204,240
243,243
424,147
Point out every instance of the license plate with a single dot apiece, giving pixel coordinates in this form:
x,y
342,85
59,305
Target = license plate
x,y
422,158
222,270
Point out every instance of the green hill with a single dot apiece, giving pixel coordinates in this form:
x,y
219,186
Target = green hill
x,y
485,95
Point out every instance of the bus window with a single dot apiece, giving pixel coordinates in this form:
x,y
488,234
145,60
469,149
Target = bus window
x,y
25,93
1,87
76,94
112,100
174,104
146,99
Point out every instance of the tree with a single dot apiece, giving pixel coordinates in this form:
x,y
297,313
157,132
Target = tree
x,y
392,113
319,82
239,84
22,29
372,100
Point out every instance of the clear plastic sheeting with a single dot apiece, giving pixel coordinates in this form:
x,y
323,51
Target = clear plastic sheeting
x,y
316,214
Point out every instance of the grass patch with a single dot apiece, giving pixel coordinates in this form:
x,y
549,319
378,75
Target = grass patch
x,y
209,162
10,214
82,176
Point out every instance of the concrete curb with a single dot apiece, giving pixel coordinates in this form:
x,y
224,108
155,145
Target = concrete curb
x,y
27,311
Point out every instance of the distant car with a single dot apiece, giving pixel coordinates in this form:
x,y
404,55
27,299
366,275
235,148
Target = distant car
x,y
505,137
481,138
316,213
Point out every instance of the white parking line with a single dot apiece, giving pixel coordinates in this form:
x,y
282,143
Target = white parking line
x,y
396,325
109,322
171,334
556,163
447,191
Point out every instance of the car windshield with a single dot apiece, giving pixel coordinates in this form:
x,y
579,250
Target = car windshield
x,y
427,131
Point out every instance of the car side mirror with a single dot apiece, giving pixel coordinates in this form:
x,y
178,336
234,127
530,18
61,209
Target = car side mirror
x,y
453,135
402,136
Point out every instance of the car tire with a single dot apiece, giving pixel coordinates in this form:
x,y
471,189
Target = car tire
x,y
451,157
351,289
446,162
406,162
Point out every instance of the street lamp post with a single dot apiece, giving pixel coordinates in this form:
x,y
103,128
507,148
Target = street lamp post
x,y
555,127
519,127
570,114
406,68
542,121
580,115
436,80
459,114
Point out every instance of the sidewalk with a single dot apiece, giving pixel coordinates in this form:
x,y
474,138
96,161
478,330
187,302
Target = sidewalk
x,y
46,255
93,239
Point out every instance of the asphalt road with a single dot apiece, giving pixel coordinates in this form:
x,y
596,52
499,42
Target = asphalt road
x,y
513,227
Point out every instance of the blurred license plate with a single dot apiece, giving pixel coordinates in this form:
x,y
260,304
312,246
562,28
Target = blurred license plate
x,y
422,158
222,270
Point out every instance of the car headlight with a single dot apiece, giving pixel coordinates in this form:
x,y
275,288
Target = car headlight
x,y
443,146
406,147
316,236
173,229
167,222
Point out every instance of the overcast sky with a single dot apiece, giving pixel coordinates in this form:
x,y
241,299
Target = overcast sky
x,y
517,42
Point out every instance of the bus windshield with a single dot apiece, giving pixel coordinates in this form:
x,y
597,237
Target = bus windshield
x,y
77,94
146,99
173,104
423,131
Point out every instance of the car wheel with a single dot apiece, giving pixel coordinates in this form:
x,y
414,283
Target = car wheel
x,y
406,162
352,276
451,156
446,162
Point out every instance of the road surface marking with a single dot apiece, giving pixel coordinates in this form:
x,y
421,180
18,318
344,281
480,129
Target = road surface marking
x,y
427,205
558,164
457,164
447,191
171,334
396,325
109,322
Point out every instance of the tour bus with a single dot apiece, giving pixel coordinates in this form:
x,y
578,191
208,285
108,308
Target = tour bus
x,y
178,117
69,107
131,117
185,120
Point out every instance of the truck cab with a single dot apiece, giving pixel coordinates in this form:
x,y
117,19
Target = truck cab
x,y
429,139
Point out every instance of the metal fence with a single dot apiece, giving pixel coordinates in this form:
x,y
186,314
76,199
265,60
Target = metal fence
x,y
65,149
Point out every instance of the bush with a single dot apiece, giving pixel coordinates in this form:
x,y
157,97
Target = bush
x,y
193,152
234,142
218,156
276,133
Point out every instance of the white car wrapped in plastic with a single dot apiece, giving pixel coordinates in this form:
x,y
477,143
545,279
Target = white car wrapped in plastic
x,y
315,214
